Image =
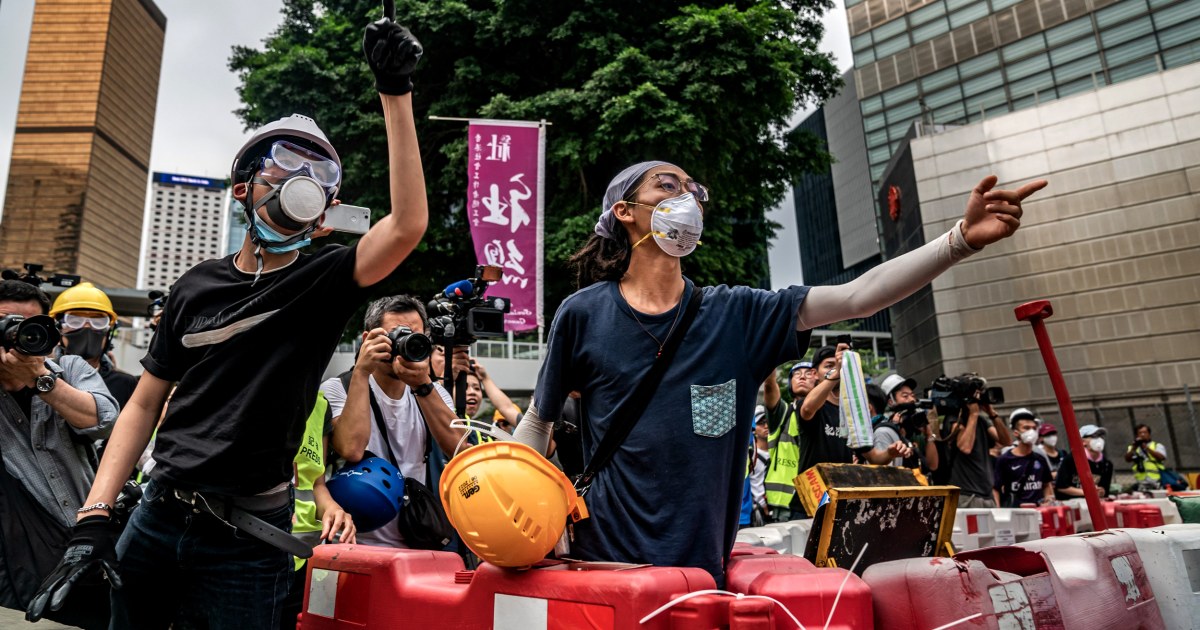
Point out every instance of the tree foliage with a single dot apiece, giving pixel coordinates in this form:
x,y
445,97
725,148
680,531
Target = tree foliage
x,y
706,85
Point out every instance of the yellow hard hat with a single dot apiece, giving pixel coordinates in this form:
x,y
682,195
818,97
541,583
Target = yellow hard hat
x,y
83,297
509,504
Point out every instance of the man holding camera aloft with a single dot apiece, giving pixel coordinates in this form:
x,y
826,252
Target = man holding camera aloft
x,y
970,439
399,389
246,338
50,413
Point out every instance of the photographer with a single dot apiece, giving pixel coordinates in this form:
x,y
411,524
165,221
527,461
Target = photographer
x,y
904,417
1147,457
52,412
1021,475
413,408
247,338
971,436
783,441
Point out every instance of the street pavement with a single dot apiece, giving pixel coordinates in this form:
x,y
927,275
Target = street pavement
x,y
15,619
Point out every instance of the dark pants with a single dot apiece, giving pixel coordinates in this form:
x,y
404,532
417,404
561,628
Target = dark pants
x,y
191,569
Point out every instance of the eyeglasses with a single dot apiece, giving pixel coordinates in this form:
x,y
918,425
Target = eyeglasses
x,y
71,321
671,183
292,158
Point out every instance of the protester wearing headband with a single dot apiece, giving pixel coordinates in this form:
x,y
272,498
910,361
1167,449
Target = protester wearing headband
x,y
680,506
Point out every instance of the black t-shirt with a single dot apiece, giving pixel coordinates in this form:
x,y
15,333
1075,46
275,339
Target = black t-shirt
x,y
1021,478
24,400
248,360
822,439
973,473
1068,476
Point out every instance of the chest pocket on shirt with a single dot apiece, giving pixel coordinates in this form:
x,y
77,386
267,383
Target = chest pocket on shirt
x,y
713,408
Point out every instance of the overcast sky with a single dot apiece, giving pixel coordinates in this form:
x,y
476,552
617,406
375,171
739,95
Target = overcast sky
x,y
195,131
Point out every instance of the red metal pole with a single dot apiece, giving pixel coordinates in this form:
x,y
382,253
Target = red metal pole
x,y
1035,313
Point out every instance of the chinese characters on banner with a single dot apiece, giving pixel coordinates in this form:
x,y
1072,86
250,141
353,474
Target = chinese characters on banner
x,y
504,210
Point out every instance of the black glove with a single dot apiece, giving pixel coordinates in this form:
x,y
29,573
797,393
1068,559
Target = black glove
x,y
93,547
392,52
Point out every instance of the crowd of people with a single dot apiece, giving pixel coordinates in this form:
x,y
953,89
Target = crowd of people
x,y
245,431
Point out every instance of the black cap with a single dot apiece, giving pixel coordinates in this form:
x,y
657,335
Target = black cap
x,y
821,354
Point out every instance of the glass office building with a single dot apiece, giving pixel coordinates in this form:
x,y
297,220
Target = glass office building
x,y
959,61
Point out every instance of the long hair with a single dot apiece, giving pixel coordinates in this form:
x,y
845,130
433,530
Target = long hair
x,y
602,259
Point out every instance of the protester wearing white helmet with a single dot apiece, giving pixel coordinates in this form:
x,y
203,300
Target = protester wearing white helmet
x,y
907,423
246,338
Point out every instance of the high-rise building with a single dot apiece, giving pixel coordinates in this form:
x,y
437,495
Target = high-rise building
x,y
77,180
835,213
186,226
959,61
1113,242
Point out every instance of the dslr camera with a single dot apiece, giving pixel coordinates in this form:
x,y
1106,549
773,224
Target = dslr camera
x,y
460,314
34,336
410,346
952,395
914,415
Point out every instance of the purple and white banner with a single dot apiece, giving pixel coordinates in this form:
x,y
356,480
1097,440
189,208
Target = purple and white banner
x,y
504,209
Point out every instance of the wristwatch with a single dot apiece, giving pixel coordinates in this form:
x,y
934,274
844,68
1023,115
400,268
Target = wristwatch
x,y
831,378
423,390
44,384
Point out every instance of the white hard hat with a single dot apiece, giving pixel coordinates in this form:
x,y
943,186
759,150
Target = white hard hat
x,y
1021,412
296,128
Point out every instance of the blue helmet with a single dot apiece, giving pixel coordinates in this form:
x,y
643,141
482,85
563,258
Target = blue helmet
x,y
372,491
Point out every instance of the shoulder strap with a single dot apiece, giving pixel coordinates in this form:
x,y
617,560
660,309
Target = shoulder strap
x,y
377,414
629,413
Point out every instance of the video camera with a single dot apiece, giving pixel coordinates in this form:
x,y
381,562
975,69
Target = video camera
x,y
460,314
952,395
31,276
34,336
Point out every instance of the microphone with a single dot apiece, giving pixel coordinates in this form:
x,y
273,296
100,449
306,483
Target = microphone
x,y
462,288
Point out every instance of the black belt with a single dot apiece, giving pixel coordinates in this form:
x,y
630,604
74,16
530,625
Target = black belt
x,y
236,512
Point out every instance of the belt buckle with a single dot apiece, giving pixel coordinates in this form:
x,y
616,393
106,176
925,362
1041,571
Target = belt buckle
x,y
190,499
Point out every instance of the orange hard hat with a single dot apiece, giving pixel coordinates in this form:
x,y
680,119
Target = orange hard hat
x,y
509,504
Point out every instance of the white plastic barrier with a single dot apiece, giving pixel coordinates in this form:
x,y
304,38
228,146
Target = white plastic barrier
x,y
1083,519
1171,556
975,528
790,537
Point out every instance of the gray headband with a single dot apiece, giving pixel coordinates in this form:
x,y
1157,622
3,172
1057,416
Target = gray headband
x,y
617,189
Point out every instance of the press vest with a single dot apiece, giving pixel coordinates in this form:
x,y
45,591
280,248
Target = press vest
x,y
1151,469
310,464
784,444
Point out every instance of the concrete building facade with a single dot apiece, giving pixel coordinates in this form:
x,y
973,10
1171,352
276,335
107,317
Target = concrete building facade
x,y
186,226
77,181
1113,242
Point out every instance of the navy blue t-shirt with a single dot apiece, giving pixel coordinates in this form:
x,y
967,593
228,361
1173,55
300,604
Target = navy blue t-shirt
x,y
671,496
1021,478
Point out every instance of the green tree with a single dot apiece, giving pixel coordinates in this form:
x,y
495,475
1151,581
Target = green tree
x,y
707,85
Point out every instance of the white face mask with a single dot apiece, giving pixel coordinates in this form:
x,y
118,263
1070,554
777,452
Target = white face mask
x,y
1029,437
1050,440
676,225
1098,445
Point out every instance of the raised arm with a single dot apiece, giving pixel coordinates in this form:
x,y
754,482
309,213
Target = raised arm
x,y
991,215
392,52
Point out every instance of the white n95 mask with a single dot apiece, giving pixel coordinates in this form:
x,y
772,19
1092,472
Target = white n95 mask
x,y
676,225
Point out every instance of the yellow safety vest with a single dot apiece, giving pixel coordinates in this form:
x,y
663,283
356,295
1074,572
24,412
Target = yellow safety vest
x,y
1151,468
784,444
310,464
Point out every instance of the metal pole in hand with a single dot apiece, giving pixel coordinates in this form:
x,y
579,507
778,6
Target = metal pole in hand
x,y
1035,313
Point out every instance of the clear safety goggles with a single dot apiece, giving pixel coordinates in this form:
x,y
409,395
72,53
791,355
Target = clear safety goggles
x,y
70,321
292,158
671,183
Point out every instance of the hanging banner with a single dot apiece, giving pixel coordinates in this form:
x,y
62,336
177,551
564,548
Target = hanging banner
x,y
504,209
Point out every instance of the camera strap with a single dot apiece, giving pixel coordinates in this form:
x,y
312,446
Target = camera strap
x,y
631,411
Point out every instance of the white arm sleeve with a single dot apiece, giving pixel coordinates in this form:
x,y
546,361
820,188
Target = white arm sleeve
x,y
885,284
534,432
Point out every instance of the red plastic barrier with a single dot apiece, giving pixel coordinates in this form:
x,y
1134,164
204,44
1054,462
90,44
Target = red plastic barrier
x,y
1135,515
1084,582
808,592
746,549
351,586
1057,520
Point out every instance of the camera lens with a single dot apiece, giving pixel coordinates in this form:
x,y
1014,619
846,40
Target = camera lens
x,y
34,336
414,347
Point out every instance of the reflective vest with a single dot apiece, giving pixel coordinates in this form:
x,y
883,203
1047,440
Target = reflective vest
x,y
1150,469
310,464
784,444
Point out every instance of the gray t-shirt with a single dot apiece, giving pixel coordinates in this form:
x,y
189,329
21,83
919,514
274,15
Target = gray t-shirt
x,y
883,438
973,473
